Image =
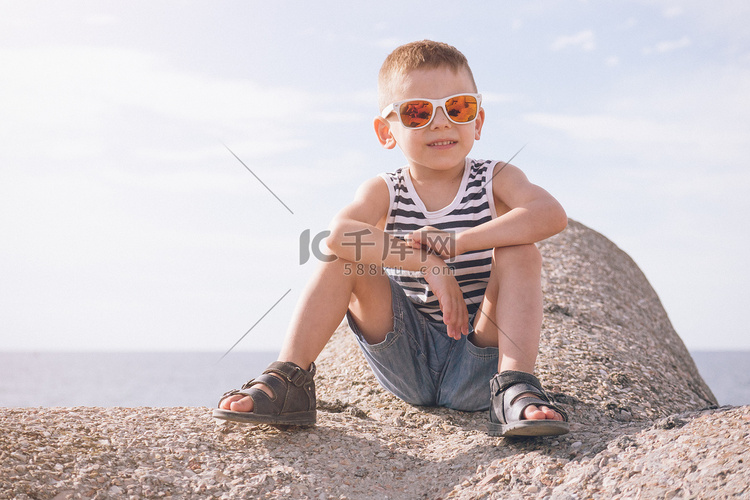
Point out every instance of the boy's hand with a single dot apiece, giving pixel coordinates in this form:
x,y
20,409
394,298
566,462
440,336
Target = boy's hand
x,y
449,295
441,243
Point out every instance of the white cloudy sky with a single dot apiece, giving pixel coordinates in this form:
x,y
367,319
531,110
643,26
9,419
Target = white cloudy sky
x,y
125,223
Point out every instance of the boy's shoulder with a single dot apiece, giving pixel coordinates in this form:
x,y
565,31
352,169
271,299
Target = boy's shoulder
x,y
374,188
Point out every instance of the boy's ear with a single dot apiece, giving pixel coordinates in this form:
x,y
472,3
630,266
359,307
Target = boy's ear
x,y
478,124
383,131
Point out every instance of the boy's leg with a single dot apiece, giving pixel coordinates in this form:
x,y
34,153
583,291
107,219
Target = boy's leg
x,y
335,287
510,316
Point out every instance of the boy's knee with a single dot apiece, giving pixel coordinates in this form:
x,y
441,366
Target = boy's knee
x,y
526,256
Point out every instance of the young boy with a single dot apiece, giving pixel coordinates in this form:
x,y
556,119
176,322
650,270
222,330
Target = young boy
x,y
436,270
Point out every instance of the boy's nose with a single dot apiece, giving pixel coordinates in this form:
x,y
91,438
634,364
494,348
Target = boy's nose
x,y
440,120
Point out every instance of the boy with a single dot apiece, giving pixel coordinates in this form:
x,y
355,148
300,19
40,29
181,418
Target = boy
x,y
436,271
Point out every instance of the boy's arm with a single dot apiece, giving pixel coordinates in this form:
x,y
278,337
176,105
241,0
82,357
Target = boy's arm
x,y
526,214
357,231
357,236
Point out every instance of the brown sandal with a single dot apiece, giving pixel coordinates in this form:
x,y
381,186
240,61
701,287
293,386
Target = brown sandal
x,y
293,401
506,407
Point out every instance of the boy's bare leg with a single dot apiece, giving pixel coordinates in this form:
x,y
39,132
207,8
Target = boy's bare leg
x,y
510,315
335,287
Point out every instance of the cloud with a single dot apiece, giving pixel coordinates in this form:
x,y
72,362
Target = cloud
x,y
583,40
648,135
76,102
706,110
668,46
680,139
606,127
724,19
673,11
612,61
497,98
388,43
629,23
89,94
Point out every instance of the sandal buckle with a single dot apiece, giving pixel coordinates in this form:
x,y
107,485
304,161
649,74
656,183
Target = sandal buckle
x,y
298,379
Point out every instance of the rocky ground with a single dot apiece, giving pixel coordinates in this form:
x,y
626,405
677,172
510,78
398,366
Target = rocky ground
x,y
367,447
644,424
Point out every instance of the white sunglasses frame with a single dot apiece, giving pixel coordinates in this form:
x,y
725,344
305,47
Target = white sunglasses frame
x,y
436,103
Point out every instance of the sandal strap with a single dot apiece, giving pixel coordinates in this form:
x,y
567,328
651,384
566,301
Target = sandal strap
x,y
294,391
514,391
514,410
502,381
229,393
508,386
292,372
262,402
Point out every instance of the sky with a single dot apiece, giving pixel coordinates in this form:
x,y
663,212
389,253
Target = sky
x,y
129,222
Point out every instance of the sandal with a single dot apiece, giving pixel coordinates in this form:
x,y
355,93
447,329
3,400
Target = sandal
x,y
293,401
506,408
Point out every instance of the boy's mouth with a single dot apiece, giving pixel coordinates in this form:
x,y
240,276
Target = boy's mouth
x,y
442,143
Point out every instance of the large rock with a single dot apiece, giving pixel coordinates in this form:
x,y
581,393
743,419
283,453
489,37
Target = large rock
x,y
644,424
607,340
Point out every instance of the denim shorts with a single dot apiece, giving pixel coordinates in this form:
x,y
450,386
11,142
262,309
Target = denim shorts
x,y
420,364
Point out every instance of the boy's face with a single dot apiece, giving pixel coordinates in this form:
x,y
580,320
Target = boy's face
x,y
441,145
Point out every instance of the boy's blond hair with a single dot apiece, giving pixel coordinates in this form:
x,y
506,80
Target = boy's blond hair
x,y
424,54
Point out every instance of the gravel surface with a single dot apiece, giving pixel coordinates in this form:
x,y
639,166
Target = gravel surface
x,y
644,424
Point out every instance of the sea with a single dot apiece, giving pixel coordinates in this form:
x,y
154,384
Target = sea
x,y
132,379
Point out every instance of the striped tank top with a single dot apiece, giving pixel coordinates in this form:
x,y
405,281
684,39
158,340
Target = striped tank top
x,y
473,205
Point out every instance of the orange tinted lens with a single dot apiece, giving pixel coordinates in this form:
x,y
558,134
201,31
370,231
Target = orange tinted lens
x,y
462,108
415,113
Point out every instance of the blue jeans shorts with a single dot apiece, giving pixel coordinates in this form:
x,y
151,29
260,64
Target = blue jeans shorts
x,y
420,364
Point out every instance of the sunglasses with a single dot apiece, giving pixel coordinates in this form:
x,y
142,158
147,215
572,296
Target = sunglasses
x,y
418,113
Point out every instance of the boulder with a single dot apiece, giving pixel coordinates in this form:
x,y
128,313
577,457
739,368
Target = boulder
x,y
644,424
607,341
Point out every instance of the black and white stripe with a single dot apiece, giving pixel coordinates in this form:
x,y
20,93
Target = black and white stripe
x,y
473,205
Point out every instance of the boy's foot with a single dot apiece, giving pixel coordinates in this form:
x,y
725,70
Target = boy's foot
x,y
541,412
520,407
284,395
242,403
